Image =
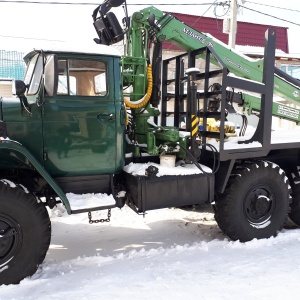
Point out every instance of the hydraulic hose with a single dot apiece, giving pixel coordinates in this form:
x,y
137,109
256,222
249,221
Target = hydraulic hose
x,y
216,161
143,101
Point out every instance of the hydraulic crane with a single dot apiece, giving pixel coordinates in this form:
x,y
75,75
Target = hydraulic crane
x,y
151,26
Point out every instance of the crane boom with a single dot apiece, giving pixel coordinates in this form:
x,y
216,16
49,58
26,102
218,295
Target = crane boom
x,y
168,28
158,26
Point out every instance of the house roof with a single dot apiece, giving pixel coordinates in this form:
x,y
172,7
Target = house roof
x,y
248,34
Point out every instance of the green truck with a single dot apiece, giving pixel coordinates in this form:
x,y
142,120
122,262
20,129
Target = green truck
x,y
80,116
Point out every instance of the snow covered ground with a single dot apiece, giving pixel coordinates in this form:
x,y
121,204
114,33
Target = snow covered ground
x,y
169,254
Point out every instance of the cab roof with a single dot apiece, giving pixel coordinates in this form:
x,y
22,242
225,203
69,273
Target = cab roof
x,y
94,49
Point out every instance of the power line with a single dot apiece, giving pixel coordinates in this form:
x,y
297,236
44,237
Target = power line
x,y
214,3
87,3
29,38
270,15
173,4
204,12
283,8
55,3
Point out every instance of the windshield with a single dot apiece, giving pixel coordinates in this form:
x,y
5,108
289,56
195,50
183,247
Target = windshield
x,y
34,74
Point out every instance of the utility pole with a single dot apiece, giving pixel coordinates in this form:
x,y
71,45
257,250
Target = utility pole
x,y
233,24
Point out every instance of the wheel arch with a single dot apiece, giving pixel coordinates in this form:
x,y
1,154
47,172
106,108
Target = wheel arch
x,y
19,148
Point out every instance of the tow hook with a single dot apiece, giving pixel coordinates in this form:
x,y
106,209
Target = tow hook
x,y
10,232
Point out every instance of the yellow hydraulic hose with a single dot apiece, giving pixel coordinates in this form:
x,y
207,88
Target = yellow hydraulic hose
x,y
143,101
127,118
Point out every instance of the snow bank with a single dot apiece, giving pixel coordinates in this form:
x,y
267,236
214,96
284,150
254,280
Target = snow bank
x,y
187,169
89,200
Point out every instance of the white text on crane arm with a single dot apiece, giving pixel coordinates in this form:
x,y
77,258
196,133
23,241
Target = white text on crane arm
x,y
196,36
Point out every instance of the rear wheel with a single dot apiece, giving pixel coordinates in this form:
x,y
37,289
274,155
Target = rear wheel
x,y
255,203
25,233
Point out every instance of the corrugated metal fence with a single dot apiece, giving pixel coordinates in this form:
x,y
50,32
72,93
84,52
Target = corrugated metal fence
x,y
12,65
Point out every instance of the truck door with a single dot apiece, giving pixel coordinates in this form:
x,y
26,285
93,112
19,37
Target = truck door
x,y
79,124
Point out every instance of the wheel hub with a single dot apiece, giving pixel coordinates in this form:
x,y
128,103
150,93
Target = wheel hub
x,y
259,205
10,238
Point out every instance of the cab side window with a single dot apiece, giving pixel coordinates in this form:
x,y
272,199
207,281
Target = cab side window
x,y
82,78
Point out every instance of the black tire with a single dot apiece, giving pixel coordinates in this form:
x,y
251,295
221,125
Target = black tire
x,y
295,206
255,203
23,251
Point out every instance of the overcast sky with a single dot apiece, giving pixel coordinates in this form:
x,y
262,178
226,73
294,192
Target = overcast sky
x,y
26,25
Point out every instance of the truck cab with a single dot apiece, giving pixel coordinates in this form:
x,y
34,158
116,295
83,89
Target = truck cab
x,y
71,116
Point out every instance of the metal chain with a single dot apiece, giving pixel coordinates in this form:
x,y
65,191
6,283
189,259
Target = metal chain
x,y
99,220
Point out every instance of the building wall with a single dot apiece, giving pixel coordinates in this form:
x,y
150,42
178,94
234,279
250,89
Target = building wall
x,y
5,88
248,34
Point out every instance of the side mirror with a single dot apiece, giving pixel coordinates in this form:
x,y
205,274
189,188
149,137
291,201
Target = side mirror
x,y
18,87
51,75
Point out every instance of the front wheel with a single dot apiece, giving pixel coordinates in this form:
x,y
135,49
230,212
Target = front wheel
x,y
255,203
25,233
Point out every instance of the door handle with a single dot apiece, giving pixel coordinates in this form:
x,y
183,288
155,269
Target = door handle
x,y
105,118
